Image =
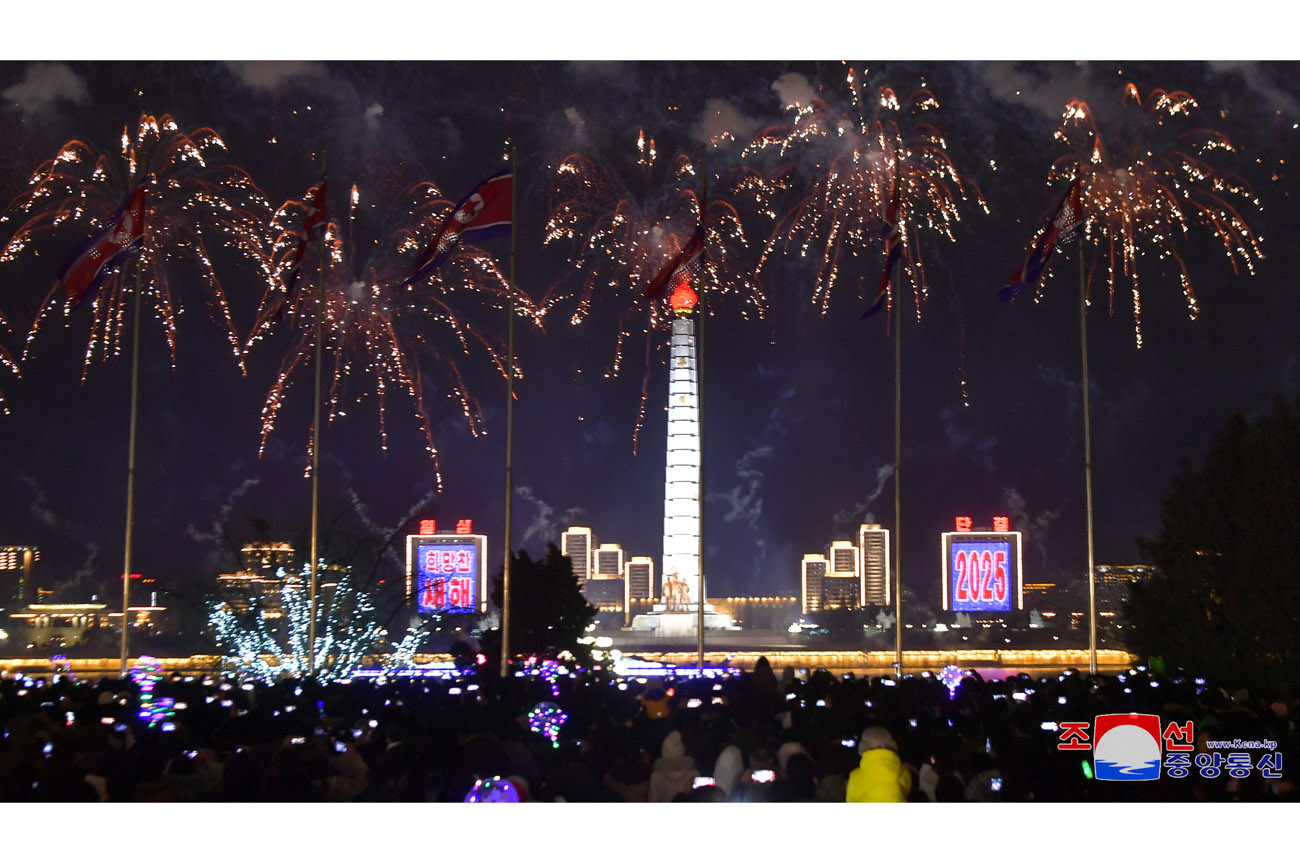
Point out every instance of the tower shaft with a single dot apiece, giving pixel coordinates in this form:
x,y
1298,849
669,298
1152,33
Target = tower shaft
x,y
682,469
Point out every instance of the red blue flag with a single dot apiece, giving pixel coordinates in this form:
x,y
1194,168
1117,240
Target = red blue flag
x,y
121,238
485,213
1064,227
893,236
315,219
682,269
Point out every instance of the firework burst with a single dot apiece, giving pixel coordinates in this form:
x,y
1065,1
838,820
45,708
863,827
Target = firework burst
x,y
620,235
379,329
198,203
833,176
1146,187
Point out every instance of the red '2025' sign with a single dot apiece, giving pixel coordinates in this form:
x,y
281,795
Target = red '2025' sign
x,y
981,572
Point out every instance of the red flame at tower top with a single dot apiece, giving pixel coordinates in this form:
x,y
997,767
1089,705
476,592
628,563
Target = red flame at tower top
x,y
683,298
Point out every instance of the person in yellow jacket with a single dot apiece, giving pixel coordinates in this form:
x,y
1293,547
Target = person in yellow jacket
x,y
881,777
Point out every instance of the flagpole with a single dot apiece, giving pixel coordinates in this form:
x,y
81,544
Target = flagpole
x,y
1087,466
898,468
699,408
315,440
510,434
130,463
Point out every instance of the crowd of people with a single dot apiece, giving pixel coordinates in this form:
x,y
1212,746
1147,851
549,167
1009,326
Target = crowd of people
x,y
753,736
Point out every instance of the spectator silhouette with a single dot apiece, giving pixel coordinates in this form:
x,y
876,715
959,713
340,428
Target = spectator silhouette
x,y
674,771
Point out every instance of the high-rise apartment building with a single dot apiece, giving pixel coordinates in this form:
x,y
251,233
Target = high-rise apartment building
x,y
640,573
578,544
265,567
873,547
842,583
18,588
813,573
609,561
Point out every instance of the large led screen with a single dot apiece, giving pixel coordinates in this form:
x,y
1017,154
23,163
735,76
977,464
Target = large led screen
x,y
981,571
447,573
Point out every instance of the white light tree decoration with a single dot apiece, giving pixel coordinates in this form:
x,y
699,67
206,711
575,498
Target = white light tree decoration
x,y
402,655
256,647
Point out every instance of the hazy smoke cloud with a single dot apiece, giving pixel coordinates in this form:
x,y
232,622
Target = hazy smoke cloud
x,y
1009,82
958,441
594,440
1034,529
1073,397
83,584
1268,91
217,536
374,111
217,531
746,498
548,522
722,123
745,501
393,553
849,519
45,84
577,122
38,507
793,89
274,74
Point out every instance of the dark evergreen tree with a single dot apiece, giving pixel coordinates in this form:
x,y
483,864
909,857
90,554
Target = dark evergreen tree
x,y
548,613
1225,601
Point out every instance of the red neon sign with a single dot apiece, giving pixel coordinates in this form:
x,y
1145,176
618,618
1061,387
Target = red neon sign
x,y
428,527
963,524
1001,524
464,527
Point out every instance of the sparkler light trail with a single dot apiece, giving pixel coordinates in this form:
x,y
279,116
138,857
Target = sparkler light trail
x,y
833,177
375,326
1147,185
195,196
621,235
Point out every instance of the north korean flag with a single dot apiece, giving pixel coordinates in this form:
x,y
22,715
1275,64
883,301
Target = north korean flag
x,y
485,213
122,237
1064,227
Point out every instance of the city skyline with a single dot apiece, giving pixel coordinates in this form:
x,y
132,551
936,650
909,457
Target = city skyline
x,y
797,405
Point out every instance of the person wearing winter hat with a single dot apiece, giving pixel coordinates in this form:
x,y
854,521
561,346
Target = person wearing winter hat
x,y
880,777
674,772
727,770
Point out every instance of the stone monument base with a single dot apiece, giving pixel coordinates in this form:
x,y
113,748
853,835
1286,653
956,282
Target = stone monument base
x,y
680,623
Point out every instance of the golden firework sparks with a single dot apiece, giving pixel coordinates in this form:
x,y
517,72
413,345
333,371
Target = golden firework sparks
x,y
1146,189
831,175
198,202
382,334
620,234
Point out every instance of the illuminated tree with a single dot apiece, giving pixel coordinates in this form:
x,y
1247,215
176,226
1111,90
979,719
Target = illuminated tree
x,y
266,643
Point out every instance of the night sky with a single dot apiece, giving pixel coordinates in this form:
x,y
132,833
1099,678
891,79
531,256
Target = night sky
x,y
798,404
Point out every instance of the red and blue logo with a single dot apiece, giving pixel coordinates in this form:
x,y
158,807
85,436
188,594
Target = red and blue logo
x,y
1127,747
